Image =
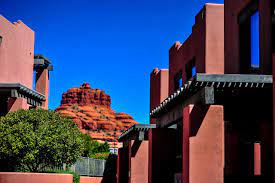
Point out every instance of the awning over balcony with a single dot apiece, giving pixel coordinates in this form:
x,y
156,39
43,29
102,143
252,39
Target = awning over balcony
x,y
202,88
136,132
17,90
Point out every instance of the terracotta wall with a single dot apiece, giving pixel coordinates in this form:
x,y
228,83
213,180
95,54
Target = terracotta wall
x,y
90,179
233,8
139,161
42,85
16,57
16,177
158,87
206,161
205,45
16,52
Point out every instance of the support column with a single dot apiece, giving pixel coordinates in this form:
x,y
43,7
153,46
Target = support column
x,y
150,163
273,110
185,144
139,161
42,85
203,144
257,159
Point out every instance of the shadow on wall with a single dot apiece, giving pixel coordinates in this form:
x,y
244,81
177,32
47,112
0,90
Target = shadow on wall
x,y
109,175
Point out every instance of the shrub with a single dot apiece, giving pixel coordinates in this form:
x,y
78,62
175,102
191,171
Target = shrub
x,y
92,147
103,155
33,139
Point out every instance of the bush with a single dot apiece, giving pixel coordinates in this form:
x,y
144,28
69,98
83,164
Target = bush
x,y
92,147
103,155
33,139
76,176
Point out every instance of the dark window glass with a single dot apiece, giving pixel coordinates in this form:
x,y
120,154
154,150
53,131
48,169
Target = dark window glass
x,y
255,40
249,35
273,25
34,80
190,69
194,71
178,81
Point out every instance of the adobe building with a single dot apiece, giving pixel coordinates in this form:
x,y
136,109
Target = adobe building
x,y
187,124
171,103
212,116
19,65
249,126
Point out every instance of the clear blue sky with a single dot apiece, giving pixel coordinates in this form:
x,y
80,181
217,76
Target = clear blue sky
x,y
112,44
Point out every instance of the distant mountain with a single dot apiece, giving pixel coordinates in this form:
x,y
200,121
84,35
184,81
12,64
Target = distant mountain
x,y
91,111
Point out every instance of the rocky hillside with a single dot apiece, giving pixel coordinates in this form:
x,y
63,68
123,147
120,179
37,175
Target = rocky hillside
x,y
91,111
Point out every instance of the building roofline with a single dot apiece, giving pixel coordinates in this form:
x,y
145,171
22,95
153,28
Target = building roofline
x,y
204,84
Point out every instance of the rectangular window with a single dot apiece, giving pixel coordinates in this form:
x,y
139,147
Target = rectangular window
x,y
178,81
34,80
249,35
273,25
190,69
194,71
255,40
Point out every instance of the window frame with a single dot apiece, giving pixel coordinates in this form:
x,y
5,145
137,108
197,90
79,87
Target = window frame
x,y
245,39
190,67
177,79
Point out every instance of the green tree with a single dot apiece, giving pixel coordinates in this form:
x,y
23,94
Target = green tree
x,y
92,147
33,139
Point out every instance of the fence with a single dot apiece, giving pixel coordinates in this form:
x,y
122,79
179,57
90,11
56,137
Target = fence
x,y
89,167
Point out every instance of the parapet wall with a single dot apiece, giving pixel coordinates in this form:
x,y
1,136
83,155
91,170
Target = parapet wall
x,y
19,177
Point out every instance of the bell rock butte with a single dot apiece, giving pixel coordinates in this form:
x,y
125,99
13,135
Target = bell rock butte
x,y
91,110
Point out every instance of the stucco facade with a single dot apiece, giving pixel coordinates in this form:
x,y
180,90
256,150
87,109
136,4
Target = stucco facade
x,y
18,65
214,106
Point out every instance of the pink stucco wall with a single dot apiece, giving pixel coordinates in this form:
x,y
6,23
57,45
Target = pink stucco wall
x,y
206,146
42,85
16,53
18,177
205,45
139,163
90,179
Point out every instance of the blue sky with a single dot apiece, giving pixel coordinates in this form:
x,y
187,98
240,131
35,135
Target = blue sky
x,y
112,44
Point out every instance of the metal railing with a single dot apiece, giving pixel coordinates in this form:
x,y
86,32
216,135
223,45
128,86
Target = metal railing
x,y
89,167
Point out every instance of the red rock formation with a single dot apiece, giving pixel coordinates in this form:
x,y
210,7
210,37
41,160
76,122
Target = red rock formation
x,y
91,111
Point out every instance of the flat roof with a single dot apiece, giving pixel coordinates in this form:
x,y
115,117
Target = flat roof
x,y
209,82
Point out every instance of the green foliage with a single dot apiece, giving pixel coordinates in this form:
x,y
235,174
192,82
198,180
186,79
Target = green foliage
x,y
103,155
33,139
92,147
76,176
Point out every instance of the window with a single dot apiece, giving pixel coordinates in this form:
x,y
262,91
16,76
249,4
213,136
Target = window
x,y
249,22
190,69
255,40
273,25
34,80
178,81
194,71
